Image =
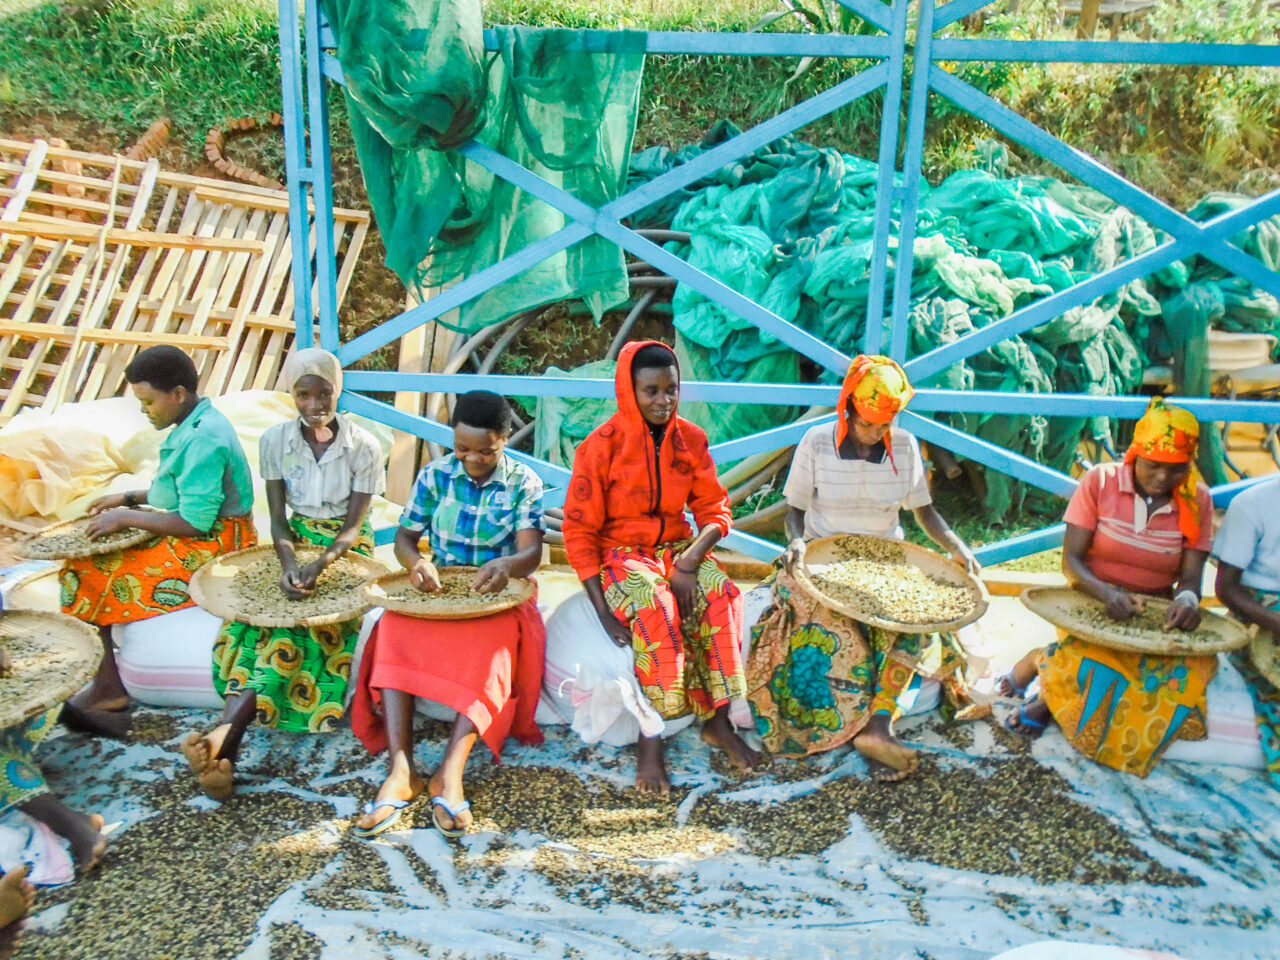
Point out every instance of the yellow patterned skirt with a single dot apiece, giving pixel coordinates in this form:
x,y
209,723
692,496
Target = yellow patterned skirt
x,y
1123,709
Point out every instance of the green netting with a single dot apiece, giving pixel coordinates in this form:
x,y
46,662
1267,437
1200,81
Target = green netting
x,y
561,103
791,227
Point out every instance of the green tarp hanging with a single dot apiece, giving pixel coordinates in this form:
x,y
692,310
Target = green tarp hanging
x,y
561,103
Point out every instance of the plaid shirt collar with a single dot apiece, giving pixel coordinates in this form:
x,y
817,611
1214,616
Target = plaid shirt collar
x,y
343,442
501,472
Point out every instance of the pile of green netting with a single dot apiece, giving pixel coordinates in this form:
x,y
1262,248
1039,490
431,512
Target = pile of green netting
x,y
791,227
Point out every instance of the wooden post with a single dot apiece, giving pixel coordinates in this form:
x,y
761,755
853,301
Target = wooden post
x,y
1088,19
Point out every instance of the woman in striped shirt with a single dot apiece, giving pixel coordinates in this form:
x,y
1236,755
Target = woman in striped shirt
x,y
1142,526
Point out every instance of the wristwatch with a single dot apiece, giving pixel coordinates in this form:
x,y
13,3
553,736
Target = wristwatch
x,y
131,500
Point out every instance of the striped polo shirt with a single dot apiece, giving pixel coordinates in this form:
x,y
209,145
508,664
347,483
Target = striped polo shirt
x,y
1131,549
855,496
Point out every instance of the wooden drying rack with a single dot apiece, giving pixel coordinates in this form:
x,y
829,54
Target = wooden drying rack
x,y
103,256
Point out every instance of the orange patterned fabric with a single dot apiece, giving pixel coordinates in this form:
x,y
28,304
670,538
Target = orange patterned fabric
x,y
878,388
1169,434
627,491
683,666
142,582
1123,709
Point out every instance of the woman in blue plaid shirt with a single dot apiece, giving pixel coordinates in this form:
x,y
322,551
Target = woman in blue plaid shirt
x,y
476,507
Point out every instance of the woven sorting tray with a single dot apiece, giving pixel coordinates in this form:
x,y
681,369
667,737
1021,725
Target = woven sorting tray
x,y
245,586
882,573
52,656
67,541
1084,617
1264,651
394,592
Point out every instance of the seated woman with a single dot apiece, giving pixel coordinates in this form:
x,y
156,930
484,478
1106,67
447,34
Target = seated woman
x,y
653,583
326,470
22,785
1247,549
202,499
16,899
1141,526
817,678
476,507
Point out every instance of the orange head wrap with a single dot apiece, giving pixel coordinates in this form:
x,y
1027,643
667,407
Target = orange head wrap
x,y
878,388
1169,434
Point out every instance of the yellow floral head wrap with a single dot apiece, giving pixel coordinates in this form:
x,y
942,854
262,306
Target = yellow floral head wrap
x,y
1169,434
879,388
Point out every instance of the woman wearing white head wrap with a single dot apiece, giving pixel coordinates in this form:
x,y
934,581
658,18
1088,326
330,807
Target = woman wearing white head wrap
x,y
325,470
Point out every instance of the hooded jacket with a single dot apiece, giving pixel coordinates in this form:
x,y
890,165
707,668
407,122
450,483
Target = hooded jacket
x,y
624,493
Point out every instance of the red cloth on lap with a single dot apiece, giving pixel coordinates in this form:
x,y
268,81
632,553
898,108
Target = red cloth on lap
x,y
488,669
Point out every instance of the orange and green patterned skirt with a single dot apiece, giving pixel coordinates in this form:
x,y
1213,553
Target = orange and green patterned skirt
x,y
142,582
297,675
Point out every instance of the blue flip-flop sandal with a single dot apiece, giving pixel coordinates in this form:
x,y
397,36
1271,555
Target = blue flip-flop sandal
x,y
454,812
383,825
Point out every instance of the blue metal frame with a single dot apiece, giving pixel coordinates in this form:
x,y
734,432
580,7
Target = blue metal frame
x,y
307,66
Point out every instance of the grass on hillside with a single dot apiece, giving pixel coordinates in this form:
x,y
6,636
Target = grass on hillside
x,y
120,64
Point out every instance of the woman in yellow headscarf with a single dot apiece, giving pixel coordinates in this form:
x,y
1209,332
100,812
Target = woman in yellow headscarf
x,y
1142,526
816,678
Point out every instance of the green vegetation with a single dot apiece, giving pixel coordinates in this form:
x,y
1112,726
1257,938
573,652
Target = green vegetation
x,y
1180,132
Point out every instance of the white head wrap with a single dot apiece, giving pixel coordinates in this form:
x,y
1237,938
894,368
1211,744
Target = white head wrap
x,y
313,362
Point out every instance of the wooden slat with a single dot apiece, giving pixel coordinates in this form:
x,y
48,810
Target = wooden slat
x,y
56,333
138,238
209,271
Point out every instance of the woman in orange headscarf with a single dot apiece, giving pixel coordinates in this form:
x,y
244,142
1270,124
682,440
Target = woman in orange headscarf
x,y
1142,526
816,678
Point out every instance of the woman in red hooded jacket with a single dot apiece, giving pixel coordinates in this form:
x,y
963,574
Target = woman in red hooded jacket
x,y
651,579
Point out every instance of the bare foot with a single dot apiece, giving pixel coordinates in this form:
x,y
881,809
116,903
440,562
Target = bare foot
x,y
16,895
1014,683
454,796
719,732
888,759
116,724
651,766
397,786
1030,719
88,842
217,779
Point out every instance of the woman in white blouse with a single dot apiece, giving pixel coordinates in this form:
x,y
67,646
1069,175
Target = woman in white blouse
x,y
817,679
326,470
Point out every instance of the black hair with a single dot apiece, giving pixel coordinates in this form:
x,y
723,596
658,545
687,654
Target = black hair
x,y
653,356
165,368
483,410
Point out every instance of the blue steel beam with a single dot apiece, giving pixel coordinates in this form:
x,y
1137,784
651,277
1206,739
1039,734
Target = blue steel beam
x,y
949,13
297,170
911,165
683,175
888,164
461,292
1092,51
988,454
1094,174
322,180
1014,548
926,400
793,336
